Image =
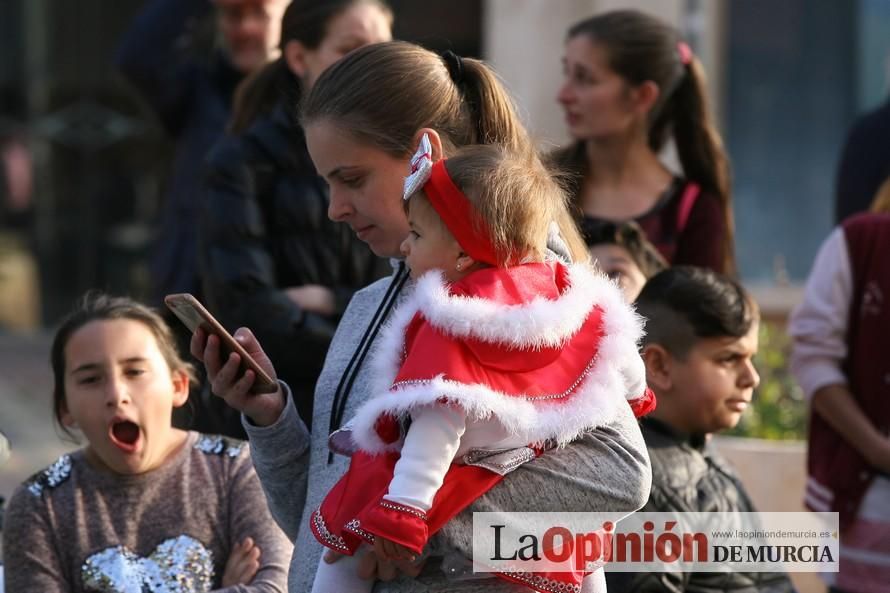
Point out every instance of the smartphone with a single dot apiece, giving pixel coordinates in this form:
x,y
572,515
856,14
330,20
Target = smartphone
x,y
193,314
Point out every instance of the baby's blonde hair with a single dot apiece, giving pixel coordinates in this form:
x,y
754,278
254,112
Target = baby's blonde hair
x,y
515,196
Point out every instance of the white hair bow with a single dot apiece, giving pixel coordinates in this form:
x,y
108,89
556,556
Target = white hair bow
x,y
421,167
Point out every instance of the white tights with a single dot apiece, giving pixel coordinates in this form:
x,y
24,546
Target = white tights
x,y
341,576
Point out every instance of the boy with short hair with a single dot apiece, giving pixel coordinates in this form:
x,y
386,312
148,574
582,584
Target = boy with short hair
x,y
701,337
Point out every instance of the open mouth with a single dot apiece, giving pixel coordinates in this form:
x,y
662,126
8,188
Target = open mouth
x,y
125,434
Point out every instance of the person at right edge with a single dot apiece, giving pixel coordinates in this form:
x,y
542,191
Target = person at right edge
x,y
630,85
364,118
701,337
840,358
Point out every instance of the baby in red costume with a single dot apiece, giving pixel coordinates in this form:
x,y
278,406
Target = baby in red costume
x,y
500,353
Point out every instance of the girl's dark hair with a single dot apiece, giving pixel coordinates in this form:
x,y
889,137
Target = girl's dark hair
x,y
97,306
384,93
305,21
630,237
684,304
640,48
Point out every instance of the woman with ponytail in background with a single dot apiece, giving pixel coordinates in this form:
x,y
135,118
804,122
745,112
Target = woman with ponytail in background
x,y
270,257
631,84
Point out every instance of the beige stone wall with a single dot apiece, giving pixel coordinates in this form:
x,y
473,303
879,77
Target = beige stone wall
x,y
773,472
19,287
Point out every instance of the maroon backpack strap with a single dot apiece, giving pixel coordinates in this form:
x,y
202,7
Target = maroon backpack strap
x,y
687,201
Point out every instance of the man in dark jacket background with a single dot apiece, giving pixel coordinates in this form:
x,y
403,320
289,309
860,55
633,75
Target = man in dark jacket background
x,y
191,94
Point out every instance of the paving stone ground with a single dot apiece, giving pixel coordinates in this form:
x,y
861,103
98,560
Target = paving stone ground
x,y
26,408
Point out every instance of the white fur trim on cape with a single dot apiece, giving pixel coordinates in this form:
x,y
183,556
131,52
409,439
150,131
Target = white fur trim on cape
x,y
599,396
539,324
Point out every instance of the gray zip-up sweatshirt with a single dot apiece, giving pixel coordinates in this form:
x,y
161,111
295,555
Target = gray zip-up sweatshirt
x,y
608,470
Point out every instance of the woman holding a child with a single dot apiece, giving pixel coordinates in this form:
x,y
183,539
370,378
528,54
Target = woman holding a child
x,y
364,119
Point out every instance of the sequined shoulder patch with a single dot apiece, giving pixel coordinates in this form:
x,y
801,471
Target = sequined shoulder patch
x,y
177,565
51,477
219,445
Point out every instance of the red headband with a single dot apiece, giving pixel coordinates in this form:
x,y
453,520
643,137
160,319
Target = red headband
x,y
458,214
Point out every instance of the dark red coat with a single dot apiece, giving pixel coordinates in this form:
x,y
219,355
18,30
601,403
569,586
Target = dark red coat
x,y
832,462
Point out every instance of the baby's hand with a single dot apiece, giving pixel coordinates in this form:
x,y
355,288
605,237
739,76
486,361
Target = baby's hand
x,y
391,550
373,568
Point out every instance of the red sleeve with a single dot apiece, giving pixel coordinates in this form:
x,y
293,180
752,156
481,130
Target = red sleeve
x,y
644,404
702,241
404,525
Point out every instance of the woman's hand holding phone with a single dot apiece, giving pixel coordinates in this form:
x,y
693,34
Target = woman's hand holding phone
x,y
226,379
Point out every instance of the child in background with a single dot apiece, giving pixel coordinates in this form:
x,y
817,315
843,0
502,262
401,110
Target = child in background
x,y
144,506
701,338
840,358
497,354
623,253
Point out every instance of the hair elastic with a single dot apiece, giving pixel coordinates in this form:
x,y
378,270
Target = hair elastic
x,y
685,52
455,65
